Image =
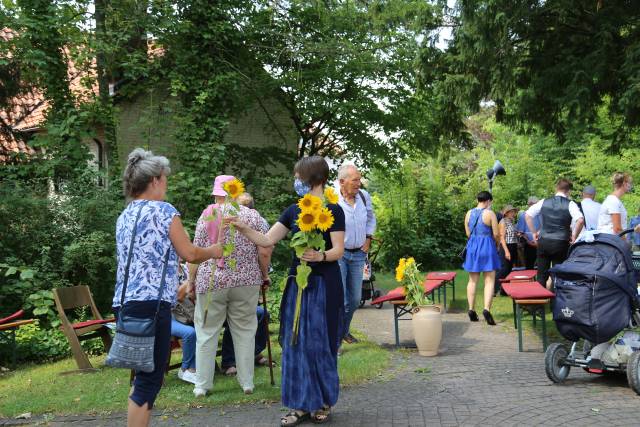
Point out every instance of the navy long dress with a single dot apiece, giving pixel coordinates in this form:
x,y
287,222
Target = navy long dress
x,y
310,365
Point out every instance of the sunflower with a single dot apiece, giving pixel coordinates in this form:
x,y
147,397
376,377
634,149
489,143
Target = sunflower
x,y
325,219
308,220
410,261
330,195
309,203
400,270
234,188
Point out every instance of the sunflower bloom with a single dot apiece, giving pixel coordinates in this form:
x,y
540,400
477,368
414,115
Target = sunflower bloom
x,y
410,261
308,220
309,203
234,188
325,219
400,269
330,195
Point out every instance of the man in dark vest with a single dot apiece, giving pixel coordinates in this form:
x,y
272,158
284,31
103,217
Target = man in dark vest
x,y
554,236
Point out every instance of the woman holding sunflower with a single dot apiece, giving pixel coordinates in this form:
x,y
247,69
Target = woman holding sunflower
x,y
227,288
310,331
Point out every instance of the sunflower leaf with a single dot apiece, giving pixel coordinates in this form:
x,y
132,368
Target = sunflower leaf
x,y
316,241
302,275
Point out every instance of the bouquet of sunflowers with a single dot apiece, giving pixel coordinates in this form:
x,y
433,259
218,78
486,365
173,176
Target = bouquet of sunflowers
x,y
409,276
315,218
233,188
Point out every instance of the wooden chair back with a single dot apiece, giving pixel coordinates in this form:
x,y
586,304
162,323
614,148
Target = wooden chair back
x,y
74,297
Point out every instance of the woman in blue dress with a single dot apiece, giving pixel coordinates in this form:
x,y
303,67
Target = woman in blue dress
x,y
481,226
310,383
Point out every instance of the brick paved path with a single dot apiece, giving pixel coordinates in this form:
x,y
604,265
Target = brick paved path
x,y
478,379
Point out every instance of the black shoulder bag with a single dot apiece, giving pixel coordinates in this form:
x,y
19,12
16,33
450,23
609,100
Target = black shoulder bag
x,y
135,336
463,253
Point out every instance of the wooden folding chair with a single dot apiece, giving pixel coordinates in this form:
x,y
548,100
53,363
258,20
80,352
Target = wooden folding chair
x,y
9,325
75,297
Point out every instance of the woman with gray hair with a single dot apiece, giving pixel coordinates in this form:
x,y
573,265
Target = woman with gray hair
x,y
149,239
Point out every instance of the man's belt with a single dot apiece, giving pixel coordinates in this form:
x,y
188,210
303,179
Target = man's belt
x,y
353,250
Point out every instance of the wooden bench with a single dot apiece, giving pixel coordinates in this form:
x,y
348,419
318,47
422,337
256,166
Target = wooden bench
x,y
530,297
449,278
9,325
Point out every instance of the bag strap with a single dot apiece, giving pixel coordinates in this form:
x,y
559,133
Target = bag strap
x,y
162,281
362,197
129,256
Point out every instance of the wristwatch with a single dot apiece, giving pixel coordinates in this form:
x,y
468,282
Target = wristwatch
x,y
324,256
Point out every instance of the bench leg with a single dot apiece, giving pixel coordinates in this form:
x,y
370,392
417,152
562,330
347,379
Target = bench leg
x,y
544,330
12,332
519,325
453,287
444,292
534,315
395,324
515,322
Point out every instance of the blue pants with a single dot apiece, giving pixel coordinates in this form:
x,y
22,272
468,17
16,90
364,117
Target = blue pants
x,y
228,352
146,385
351,268
188,336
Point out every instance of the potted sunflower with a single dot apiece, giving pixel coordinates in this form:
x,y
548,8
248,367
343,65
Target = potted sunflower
x,y
426,320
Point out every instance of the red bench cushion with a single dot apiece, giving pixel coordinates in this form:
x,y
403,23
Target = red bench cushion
x,y
526,290
521,275
398,293
441,275
14,316
80,325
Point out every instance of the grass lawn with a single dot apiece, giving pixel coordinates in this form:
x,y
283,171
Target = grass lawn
x,y
40,389
502,308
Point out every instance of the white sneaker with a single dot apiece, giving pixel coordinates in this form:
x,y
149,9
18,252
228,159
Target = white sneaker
x,y
198,392
187,376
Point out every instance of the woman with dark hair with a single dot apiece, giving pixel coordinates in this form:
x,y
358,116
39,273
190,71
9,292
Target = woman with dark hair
x,y
481,226
310,383
148,266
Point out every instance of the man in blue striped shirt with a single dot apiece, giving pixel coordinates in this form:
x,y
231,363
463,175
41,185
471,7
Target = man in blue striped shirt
x,y
360,223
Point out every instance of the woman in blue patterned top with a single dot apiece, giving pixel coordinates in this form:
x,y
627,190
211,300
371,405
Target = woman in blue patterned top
x,y
160,238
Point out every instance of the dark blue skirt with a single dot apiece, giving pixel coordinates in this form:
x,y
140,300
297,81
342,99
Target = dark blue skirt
x,y
310,365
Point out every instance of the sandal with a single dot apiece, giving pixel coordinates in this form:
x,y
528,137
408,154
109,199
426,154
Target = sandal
x,y
230,371
321,416
261,361
293,418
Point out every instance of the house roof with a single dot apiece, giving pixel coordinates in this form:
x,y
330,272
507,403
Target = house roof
x,y
28,110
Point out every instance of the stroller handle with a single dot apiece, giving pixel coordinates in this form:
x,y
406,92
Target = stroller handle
x,y
624,232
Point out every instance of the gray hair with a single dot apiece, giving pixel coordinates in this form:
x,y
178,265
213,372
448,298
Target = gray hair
x,y
246,199
142,167
345,170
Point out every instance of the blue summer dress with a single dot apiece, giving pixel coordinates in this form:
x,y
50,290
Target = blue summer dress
x,y
310,365
482,253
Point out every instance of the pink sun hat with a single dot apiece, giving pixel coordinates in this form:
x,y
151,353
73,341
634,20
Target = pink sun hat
x,y
218,189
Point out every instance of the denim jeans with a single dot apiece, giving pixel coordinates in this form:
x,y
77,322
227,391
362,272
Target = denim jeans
x,y
228,352
188,336
351,268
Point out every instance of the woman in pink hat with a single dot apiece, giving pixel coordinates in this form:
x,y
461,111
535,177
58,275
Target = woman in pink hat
x,y
232,295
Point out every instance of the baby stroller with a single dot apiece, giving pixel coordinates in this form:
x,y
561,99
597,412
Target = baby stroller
x,y
369,291
596,299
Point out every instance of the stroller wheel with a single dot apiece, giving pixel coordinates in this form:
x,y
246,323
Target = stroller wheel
x,y
362,301
633,372
554,362
376,294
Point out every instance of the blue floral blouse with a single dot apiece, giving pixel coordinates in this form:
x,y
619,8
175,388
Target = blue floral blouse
x,y
149,249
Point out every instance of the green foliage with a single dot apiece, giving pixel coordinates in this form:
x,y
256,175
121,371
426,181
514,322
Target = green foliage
x,y
553,64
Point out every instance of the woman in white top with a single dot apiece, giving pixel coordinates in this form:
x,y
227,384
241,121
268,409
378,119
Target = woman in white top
x,y
613,215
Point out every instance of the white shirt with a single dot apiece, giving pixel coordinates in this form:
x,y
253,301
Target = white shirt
x,y
574,210
591,211
611,205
